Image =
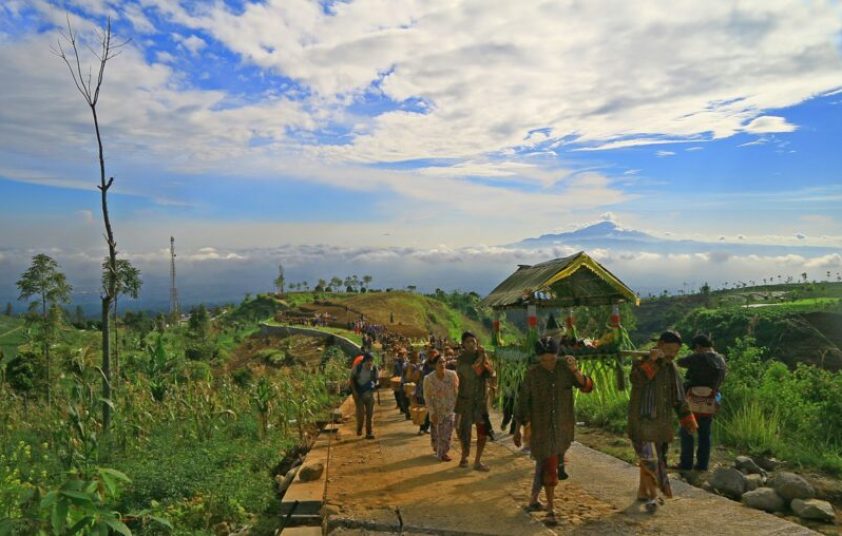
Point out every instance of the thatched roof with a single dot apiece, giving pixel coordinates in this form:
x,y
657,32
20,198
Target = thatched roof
x,y
565,282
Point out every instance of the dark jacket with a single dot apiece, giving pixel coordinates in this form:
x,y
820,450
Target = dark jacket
x,y
703,370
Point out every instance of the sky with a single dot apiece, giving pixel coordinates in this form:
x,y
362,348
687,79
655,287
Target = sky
x,y
410,139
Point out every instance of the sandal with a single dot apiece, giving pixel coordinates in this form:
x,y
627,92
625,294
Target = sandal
x,y
534,507
463,463
550,520
482,467
651,506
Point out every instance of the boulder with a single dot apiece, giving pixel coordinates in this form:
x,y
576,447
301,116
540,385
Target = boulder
x,y
813,509
729,482
764,499
284,481
754,481
747,466
791,486
768,464
311,471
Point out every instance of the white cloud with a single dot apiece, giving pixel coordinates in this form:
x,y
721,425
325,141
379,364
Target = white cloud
x,y
693,149
193,43
768,124
664,153
489,87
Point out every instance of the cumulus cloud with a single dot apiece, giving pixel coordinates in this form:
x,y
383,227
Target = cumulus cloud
x,y
769,123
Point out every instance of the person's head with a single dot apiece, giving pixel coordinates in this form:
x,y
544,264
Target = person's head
x,y
413,356
368,360
402,353
469,341
670,343
546,350
435,360
701,343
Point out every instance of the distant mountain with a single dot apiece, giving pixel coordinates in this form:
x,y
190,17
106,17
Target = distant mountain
x,y
608,235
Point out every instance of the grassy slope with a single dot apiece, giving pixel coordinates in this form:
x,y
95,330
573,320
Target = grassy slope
x,y
796,322
415,315
11,333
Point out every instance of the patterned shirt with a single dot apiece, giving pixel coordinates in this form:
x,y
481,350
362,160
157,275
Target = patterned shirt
x,y
440,394
546,403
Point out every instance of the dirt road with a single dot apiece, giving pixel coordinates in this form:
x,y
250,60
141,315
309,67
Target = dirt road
x,y
393,484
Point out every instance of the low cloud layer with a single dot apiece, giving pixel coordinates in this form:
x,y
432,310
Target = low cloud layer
x,y
215,275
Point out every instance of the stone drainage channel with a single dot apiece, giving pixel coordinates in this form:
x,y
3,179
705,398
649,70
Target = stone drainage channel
x,y
303,488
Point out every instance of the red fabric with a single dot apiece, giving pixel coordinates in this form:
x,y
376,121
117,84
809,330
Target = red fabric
x,y
648,368
495,325
357,361
549,470
532,321
588,387
689,420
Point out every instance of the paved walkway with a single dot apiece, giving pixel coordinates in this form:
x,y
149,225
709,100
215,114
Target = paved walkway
x,y
393,484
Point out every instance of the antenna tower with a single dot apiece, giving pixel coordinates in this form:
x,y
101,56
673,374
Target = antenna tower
x,y
174,309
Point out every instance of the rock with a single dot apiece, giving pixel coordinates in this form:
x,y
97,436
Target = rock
x,y
729,482
747,466
284,481
768,464
706,486
791,486
754,481
764,499
813,509
221,529
311,471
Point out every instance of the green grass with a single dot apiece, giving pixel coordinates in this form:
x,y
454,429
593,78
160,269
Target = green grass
x,y
12,333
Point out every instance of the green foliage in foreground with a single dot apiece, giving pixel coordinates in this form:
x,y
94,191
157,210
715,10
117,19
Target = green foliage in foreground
x,y
186,448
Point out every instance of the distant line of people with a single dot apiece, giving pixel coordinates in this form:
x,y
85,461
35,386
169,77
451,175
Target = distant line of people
x,y
453,383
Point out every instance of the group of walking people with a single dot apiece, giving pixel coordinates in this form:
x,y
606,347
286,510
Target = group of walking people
x,y
455,385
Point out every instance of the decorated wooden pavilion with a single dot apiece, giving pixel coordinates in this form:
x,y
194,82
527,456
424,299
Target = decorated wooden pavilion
x,y
567,282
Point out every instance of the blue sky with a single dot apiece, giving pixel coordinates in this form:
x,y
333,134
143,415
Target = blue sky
x,y
431,125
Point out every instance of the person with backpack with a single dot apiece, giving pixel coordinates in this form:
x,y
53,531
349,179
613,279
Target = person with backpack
x,y
706,371
363,384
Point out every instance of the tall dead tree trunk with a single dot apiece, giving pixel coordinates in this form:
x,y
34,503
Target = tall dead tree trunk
x,y
90,91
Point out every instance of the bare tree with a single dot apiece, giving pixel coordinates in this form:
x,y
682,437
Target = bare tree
x,y
90,87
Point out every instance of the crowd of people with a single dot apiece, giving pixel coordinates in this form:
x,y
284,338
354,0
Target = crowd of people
x,y
452,385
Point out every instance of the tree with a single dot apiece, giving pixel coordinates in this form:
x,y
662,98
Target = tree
x,y
705,291
804,276
320,285
335,282
9,309
279,281
44,280
89,88
367,279
79,317
199,324
127,282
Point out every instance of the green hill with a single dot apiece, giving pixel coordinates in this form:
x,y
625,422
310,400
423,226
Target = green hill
x,y
405,313
795,322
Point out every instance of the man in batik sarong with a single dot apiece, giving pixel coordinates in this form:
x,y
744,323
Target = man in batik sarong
x,y
474,370
545,403
657,395
441,387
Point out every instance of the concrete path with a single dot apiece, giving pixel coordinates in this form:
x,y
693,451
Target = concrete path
x,y
393,484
